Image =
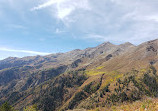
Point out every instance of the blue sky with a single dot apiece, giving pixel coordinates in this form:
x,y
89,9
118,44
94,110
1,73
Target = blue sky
x,y
41,27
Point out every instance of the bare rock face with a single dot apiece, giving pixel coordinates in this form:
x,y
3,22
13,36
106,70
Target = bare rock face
x,y
108,57
76,63
151,48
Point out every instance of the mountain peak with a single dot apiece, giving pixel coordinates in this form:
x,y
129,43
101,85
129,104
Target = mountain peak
x,y
105,44
11,58
127,44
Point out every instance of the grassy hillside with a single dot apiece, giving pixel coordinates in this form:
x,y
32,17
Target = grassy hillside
x,y
99,78
81,90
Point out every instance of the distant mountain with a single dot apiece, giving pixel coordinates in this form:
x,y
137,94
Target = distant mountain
x,y
101,76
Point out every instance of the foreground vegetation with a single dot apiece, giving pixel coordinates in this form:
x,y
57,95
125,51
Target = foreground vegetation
x,y
146,104
79,90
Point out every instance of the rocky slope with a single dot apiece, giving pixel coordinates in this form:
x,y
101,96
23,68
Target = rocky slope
x,y
95,77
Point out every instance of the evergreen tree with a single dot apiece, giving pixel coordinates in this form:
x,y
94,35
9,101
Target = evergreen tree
x,y
6,107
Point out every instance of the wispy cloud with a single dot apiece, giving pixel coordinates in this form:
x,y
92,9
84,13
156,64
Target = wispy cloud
x,y
104,20
24,51
117,20
46,4
64,7
94,36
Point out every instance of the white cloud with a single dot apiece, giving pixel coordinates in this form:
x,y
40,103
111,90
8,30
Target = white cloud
x,y
46,4
23,51
64,12
64,7
104,20
94,36
152,18
118,20
58,31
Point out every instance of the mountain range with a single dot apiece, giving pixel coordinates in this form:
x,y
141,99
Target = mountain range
x,y
99,77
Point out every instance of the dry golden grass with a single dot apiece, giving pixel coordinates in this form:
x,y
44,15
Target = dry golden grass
x,y
93,73
100,67
110,78
148,104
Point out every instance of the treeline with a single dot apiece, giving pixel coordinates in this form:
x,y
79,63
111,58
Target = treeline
x,y
132,86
